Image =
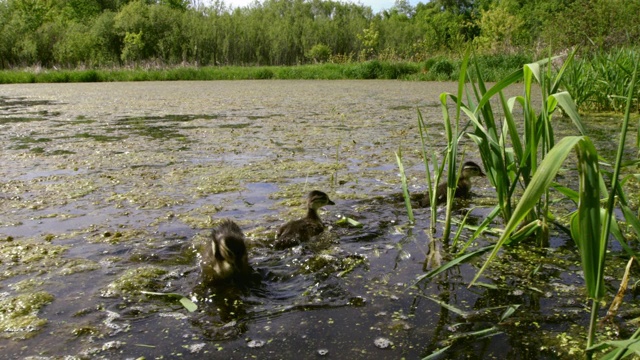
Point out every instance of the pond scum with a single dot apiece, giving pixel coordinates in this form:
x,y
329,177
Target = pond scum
x,y
107,188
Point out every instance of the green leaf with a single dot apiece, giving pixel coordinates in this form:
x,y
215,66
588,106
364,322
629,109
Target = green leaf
x,y
345,220
592,243
569,106
188,304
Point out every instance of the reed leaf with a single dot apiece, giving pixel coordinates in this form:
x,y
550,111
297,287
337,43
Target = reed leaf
x,y
585,227
431,186
405,188
452,144
453,263
567,104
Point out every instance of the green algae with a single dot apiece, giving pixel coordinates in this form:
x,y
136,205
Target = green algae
x,y
132,281
74,266
19,315
25,285
99,138
24,256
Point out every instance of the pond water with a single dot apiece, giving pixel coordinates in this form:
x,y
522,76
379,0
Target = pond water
x,y
107,188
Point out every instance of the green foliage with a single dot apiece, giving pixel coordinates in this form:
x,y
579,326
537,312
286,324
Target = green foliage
x,y
442,67
293,32
369,39
319,53
76,46
497,29
600,24
133,47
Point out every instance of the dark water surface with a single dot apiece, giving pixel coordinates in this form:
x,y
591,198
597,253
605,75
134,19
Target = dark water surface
x,y
106,187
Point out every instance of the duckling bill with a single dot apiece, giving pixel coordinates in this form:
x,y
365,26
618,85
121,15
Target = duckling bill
x,y
463,190
297,231
225,258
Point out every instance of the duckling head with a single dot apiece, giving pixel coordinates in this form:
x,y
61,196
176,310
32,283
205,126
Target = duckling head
x,y
231,251
470,169
317,199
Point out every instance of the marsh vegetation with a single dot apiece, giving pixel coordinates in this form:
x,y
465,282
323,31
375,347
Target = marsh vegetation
x,y
110,186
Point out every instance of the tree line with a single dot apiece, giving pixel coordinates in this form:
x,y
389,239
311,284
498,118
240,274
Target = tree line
x,y
103,33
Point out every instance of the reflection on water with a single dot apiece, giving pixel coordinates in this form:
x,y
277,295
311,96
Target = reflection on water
x,y
108,188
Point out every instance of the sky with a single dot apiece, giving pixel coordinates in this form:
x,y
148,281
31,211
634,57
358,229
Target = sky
x,y
376,5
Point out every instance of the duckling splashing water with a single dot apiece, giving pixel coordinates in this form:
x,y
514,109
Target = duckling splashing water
x,y
225,258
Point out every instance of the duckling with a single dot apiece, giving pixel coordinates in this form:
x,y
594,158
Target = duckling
x,y
296,231
225,258
469,170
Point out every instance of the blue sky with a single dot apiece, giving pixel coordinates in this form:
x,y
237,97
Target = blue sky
x,y
376,5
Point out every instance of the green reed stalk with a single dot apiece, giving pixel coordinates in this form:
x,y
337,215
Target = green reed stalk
x,y
431,186
597,290
452,145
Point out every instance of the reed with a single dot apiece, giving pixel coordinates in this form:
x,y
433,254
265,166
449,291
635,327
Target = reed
x,y
530,158
598,80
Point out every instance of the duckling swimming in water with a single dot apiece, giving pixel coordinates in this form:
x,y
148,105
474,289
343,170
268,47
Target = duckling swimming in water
x,y
225,257
469,170
296,231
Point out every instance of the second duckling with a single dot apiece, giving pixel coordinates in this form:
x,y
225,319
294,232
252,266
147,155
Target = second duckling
x,y
297,231
225,257
469,170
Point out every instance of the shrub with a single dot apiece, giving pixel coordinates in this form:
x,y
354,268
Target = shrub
x,y
319,53
442,67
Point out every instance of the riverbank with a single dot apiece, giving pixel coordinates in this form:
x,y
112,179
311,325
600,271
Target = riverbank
x,y
435,69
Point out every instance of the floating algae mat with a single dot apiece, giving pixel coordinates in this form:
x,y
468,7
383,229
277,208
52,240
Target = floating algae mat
x,y
107,188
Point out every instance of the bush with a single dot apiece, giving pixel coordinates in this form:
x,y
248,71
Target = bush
x,y
442,68
262,74
319,53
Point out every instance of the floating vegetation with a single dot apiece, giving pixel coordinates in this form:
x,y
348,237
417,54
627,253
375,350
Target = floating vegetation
x,y
19,314
132,281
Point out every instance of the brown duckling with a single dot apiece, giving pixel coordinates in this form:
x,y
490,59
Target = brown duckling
x,y
296,231
225,257
463,190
